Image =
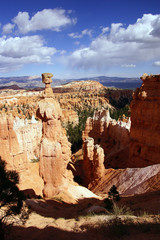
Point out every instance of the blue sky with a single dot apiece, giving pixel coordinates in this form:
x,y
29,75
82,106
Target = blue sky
x,y
74,39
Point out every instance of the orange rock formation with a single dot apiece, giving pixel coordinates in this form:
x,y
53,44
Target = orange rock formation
x,y
47,79
111,135
19,142
93,166
143,140
55,150
145,128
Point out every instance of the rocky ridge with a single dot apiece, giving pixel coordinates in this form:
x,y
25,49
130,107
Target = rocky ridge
x,y
74,96
25,103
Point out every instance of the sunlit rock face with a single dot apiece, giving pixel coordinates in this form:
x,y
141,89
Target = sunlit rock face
x,y
69,116
19,141
145,128
111,135
10,149
19,146
93,163
55,150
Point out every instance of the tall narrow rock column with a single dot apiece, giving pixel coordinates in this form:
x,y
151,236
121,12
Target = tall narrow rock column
x,y
93,163
55,149
47,80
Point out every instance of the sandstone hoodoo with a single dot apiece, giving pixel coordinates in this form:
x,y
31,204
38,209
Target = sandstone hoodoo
x,y
145,128
111,135
55,149
93,165
47,79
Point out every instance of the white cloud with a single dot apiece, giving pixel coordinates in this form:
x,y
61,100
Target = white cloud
x,y
15,52
87,32
77,42
62,52
53,19
128,66
83,33
105,29
138,42
156,64
8,28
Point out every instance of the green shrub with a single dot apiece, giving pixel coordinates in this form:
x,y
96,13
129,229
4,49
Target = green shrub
x,y
34,160
74,133
113,194
122,210
117,113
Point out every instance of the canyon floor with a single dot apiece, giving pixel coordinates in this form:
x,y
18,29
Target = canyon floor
x,y
55,219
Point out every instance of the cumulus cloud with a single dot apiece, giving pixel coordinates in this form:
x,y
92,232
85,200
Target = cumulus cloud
x,y
120,44
156,29
8,28
105,29
15,52
83,33
53,19
156,64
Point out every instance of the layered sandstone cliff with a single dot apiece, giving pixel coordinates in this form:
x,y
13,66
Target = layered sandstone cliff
x,y
19,147
19,140
79,95
142,143
69,116
130,181
145,128
80,86
111,135
72,97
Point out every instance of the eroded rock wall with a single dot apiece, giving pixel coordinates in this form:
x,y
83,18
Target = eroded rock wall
x,y
19,140
9,147
110,135
145,127
19,145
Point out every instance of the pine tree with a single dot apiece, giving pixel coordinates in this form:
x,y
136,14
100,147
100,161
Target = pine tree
x,y
113,194
11,199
